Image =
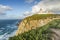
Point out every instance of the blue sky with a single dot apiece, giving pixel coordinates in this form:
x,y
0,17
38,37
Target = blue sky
x,y
18,8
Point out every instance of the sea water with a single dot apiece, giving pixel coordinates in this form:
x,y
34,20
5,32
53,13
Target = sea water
x,y
8,28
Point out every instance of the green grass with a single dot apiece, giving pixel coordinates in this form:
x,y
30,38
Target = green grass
x,y
41,16
42,33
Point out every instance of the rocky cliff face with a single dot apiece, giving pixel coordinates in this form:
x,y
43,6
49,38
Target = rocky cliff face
x,y
34,23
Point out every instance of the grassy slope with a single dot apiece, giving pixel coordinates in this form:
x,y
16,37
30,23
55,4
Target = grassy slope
x,y
42,33
41,16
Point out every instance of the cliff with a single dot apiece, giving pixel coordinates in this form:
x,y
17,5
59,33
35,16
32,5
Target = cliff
x,y
35,21
50,31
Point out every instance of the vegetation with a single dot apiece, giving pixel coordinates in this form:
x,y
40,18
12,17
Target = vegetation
x,y
41,16
42,33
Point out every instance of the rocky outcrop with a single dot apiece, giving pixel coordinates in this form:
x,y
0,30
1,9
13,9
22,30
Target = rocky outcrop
x,y
27,25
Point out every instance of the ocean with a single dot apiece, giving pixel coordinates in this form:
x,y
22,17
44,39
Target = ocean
x,y
8,28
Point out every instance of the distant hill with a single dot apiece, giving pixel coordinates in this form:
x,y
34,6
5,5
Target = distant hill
x,y
41,33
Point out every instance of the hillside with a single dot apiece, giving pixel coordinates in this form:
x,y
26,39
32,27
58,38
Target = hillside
x,y
41,16
35,21
46,32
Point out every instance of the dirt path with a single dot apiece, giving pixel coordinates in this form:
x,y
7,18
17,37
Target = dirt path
x,y
56,35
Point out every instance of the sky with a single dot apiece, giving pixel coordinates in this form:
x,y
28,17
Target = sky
x,y
14,9
18,9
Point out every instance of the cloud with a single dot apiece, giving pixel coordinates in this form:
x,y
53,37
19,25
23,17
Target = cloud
x,y
47,5
3,9
29,1
26,13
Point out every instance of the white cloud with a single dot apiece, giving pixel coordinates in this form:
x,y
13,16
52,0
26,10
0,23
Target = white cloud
x,y
26,13
50,5
3,9
46,5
